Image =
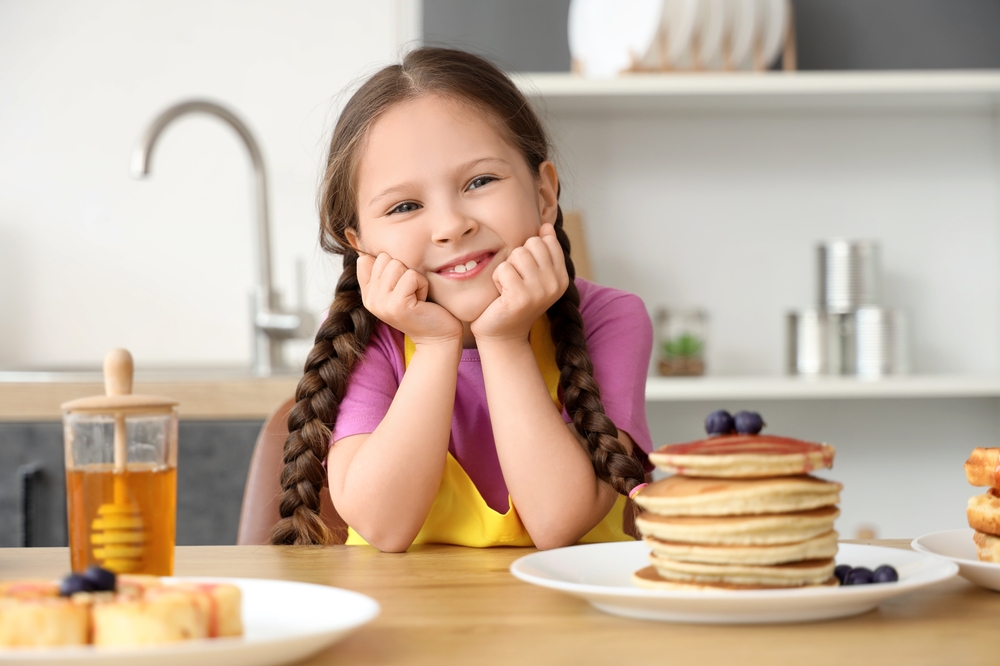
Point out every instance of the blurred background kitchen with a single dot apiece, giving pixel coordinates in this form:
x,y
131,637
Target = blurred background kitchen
x,y
701,191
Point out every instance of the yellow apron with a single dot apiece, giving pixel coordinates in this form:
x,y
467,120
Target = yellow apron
x,y
460,515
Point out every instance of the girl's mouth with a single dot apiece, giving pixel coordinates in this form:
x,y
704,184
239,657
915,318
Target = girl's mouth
x,y
467,267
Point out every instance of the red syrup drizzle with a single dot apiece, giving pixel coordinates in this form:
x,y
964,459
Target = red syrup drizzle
x,y
33,588
996,472
213,609
723,445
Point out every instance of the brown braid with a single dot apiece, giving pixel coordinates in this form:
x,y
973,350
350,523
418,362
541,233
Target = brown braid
x,y
340,342
579,391
345,333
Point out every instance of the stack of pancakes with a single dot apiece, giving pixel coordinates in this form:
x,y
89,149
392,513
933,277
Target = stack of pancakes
x,y
983,469
740,512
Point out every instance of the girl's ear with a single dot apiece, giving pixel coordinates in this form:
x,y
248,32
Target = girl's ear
x,y
353,239
548,192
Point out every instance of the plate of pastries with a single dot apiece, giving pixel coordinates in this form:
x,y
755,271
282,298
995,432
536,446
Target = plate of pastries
x,y
976,550
100,617
739,531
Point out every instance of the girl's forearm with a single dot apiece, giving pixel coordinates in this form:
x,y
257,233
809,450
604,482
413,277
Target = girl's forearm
x,y
387,486
549,474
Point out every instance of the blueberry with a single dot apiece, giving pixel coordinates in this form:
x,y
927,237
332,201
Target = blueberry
x,y
748,423
885,574
841,572
102,579
74,583
858,576
719,422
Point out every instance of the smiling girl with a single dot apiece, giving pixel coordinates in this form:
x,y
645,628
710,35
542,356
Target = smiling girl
x,y
465,388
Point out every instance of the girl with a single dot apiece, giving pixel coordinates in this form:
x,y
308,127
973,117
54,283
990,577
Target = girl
x,y
459,373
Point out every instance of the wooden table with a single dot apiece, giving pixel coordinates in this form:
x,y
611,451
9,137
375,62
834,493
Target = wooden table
x,y
450,605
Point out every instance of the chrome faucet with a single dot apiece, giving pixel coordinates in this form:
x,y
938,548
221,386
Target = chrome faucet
x,y
270,324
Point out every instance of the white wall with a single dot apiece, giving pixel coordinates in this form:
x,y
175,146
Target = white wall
x,y
91,259
723,210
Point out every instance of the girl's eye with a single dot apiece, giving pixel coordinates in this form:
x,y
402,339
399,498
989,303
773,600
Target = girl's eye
x,y
405,207
479,181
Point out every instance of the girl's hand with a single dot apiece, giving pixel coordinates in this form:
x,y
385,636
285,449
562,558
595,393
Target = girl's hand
x,y
398,296
531,279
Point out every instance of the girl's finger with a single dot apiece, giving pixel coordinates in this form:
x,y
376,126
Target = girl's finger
x,y
547,229
555,249
392,274
523,262
505,276
541,253
422,286
381,261
408,284
364,269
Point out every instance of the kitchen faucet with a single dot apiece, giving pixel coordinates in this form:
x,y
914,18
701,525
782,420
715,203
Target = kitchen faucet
x,y
270,324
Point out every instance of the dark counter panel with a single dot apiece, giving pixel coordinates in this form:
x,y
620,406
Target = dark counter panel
x,y
213,459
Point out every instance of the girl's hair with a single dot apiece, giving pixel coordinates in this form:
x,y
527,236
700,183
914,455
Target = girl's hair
x,y
344,334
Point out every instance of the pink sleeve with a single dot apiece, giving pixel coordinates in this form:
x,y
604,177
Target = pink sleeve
x,y
372,386
620,341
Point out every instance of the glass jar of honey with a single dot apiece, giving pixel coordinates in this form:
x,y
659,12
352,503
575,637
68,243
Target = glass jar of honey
x,y
121,476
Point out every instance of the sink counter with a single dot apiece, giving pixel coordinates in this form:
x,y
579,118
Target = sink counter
x,y
202,394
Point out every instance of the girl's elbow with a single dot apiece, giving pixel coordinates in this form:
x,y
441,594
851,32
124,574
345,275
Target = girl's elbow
x,y
396,546
387,542
553,540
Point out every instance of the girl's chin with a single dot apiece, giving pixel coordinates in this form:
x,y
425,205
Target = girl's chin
x,y
466,312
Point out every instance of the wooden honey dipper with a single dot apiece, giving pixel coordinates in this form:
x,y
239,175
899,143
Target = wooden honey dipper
x,y
117,533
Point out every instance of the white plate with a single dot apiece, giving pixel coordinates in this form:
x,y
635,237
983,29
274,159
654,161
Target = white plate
x,y
774,30
283,622
607,36
957,546
601,574
744,25
680,19
711,30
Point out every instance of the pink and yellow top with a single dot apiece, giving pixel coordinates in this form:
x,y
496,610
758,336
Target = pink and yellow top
x,y
473,506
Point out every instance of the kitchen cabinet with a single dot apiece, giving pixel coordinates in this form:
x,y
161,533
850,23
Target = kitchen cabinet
x,y
221,413
213,459
712,190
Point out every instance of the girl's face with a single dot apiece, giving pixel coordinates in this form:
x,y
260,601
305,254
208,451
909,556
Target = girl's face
x,y
440,190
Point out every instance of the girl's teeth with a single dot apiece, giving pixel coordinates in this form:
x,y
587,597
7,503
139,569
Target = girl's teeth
x,y
467,266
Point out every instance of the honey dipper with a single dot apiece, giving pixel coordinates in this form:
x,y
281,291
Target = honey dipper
x,y
117,534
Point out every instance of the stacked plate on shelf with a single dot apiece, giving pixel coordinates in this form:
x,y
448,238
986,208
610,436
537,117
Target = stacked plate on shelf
x,y
608,37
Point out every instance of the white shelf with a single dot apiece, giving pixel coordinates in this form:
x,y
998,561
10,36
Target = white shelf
x,y
569,93
660,389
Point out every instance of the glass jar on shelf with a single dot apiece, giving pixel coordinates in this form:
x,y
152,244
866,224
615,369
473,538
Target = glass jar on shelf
x,y
681,335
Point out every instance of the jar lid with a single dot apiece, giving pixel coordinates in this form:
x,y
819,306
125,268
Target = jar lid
x,y
118,370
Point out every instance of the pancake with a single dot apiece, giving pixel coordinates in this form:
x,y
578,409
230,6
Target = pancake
x,y
32,614
43,622
983,467
161,617
168,614
820,547
987,547
983,512
699,496
648,578
792,574
759,530
735,456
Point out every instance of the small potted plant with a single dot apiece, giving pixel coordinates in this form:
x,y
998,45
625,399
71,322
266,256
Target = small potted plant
x,y
681,342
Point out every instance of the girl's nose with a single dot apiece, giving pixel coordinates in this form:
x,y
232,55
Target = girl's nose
x,y
452,224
